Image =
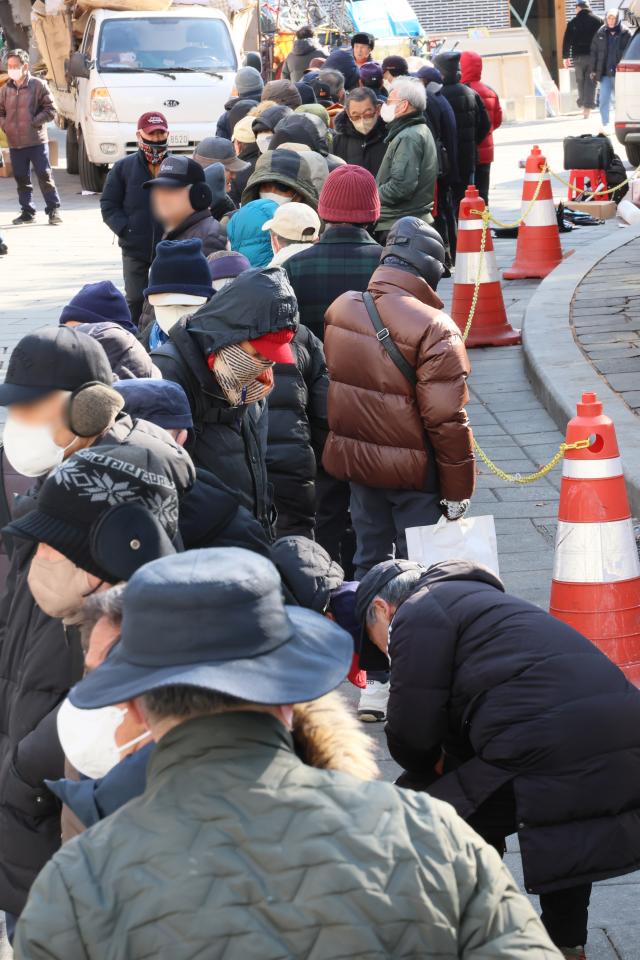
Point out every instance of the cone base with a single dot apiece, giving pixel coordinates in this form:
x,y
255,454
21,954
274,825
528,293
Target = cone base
x,y
498,337
489,327
537,272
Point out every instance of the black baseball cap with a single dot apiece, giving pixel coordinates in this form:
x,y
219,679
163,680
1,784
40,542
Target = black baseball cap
x,y
54,358
371,658
177,171
215,619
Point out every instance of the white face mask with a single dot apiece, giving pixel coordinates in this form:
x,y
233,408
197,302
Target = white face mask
x,y
263,140
388,112
168,315
15,74
31,450
221,284
88,738
276,197
365,126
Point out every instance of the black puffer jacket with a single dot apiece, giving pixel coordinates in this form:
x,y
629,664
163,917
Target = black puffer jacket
x,y
223,126
249,154
39,662
472,119
517,696
126,208
297,431
579,34
303,52
619,38
364,150
230,442
211,516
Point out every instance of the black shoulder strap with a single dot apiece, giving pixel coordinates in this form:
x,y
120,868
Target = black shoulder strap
x,y
385,339
5,509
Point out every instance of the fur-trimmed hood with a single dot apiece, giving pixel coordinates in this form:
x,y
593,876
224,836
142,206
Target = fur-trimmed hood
x,y
328,736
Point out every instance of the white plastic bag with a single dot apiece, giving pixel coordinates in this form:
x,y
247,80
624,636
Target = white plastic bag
x,y
472,538
628,212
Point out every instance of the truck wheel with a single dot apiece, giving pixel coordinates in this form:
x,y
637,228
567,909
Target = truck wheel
x,y
72,149
92,175
633,153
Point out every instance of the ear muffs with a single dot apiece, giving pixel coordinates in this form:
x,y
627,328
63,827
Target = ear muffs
x,y
92,408
125,538
200,196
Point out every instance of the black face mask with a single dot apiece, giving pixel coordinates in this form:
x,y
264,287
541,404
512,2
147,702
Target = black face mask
x,y
154,152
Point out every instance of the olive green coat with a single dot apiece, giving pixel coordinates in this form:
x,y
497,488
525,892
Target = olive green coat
x,y
238,850
408,172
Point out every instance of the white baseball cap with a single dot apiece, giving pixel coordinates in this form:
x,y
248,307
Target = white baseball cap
x,y
295,221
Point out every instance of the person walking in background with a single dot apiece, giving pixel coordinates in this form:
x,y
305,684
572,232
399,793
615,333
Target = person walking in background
x,y
26,108
471,67
304,50
607,49
576,51
409,170
126,206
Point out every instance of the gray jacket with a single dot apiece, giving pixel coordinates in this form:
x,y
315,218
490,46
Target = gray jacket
x,y
25,111
239,850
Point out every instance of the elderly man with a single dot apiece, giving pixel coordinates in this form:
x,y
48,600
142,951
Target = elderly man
x,y
517,720
408,172
273,856
26,108
359,131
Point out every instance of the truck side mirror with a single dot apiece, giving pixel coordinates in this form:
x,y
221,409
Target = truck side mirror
x,y
78,65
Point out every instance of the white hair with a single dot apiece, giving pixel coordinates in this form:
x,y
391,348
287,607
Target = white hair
x,y
412,90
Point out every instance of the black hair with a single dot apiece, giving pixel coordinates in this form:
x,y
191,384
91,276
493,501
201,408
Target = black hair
x,y
305,33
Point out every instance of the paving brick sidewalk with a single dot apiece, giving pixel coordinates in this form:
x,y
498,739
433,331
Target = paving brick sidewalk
x,y
605,314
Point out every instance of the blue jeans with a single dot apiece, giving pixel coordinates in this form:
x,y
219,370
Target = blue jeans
x,y
607,91
22,160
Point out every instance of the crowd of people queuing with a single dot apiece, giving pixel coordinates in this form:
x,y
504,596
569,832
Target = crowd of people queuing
x,y
205,492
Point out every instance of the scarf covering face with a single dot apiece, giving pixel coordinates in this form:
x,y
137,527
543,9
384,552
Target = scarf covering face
x,y
243,378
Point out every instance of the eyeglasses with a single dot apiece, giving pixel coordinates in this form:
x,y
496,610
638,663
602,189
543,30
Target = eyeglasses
x,y
369,115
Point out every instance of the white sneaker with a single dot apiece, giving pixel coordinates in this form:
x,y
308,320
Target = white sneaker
x,y
373,702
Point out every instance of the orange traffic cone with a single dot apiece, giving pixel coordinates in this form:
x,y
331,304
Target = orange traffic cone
x,y
538,250
489,326
596,571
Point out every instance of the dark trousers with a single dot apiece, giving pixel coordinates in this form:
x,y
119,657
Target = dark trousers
x,y
445,222
333,523
586,86
22,160
380,518
483,177
564,912
136,279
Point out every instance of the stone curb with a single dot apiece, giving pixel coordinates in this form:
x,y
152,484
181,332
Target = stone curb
x,y
557,367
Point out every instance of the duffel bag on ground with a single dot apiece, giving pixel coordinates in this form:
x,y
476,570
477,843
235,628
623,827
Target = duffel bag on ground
x,y
587,152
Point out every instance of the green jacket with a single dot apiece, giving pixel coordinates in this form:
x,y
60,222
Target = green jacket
x,y
238,850
408,172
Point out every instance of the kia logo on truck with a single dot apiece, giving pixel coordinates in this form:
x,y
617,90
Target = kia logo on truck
x,y
171,103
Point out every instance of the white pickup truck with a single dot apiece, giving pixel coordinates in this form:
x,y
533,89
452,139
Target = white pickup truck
x,y
180,61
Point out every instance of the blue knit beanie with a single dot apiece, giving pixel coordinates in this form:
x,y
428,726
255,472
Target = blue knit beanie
x,y
180,266
162,402
99,303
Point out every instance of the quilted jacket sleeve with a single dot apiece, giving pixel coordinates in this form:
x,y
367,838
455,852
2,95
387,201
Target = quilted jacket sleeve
x,y
496,920
47,929
441,394
44,110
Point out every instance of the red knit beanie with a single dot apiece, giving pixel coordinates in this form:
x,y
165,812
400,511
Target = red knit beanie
x,y
349,195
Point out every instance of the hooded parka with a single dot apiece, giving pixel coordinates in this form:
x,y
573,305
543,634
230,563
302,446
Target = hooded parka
x,y
230,442
471,64
517,696
39,662
302,53
378,421
275,859
297,432
472,121
286,168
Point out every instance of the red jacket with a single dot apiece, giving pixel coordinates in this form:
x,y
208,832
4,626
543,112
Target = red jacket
x,y
471,66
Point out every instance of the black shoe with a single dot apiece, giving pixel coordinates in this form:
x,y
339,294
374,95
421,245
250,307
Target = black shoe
x,y
4,249
54,218
24,218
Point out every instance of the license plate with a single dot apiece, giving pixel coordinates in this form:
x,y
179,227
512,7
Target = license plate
x,y
178,140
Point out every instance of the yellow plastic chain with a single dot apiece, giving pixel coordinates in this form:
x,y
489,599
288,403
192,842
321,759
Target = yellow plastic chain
x,y
516,223
595,193
531,477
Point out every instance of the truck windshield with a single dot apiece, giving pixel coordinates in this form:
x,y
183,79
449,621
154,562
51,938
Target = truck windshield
x,y
165,43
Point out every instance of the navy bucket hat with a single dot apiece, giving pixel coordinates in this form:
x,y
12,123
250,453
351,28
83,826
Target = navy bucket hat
x,y
215,619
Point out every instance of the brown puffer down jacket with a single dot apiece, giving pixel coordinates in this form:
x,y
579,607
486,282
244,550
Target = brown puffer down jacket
x,y
378,420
